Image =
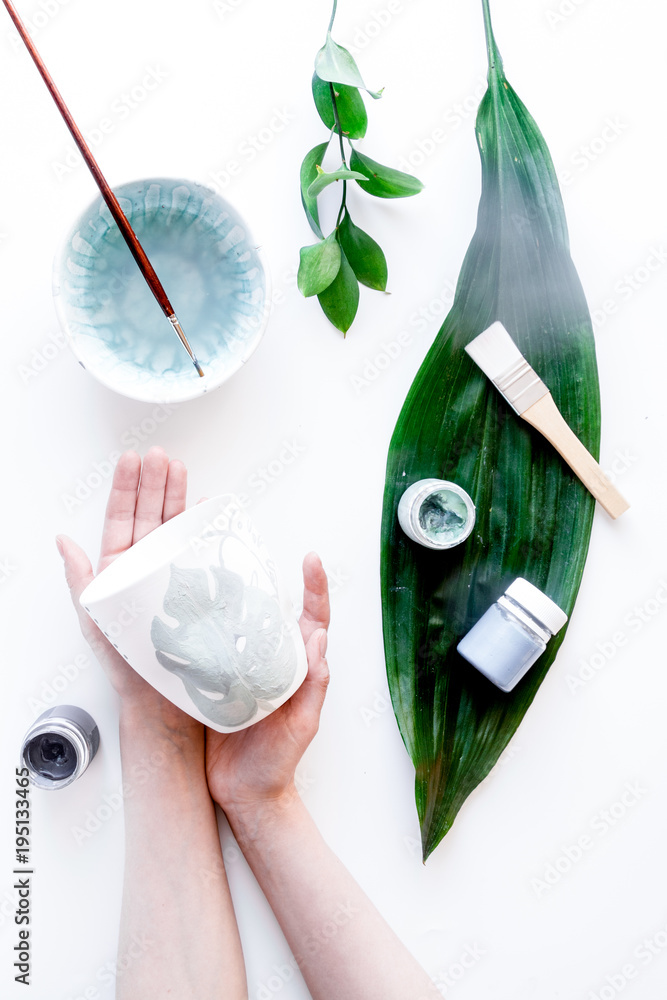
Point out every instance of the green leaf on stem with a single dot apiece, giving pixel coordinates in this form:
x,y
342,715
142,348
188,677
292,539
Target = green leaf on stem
x,y
341,299
534,516
384,182
364,255
318,266
311,162
336,64
349,104
324,179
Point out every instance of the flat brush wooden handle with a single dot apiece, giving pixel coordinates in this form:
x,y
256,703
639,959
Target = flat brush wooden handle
x,y
545,417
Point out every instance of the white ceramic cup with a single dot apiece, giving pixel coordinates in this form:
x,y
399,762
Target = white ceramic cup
x,y
197,609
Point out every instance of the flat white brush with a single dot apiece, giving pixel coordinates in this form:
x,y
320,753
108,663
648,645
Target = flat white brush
x,y
501,360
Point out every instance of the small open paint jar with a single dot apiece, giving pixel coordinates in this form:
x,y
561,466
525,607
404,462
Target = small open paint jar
x,y
436,513
512,634
59,746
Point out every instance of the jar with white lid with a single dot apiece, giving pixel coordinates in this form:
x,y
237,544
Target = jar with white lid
x,y
512,634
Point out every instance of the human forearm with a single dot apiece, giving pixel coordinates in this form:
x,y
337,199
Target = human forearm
x,y
344,947
178,933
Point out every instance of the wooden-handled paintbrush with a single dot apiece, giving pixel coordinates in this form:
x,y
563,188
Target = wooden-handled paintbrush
x,y
501,360
126,229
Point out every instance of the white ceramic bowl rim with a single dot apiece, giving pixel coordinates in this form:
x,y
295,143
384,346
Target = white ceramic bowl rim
x,y
201,386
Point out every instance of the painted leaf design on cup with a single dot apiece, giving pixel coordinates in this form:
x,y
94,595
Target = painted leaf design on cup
x,y
230,647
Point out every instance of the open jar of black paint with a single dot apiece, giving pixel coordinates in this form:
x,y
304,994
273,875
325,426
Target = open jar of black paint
x,y
59,746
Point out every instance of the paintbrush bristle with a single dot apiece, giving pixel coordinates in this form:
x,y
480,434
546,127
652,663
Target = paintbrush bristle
x,y
494,351
500,359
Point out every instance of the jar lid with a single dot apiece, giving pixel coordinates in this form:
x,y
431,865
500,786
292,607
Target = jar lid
x,y
537,604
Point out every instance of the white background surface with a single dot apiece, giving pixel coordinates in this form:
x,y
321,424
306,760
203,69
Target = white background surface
x,y
226,73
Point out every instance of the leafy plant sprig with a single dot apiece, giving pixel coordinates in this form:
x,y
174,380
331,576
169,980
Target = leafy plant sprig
x,y
333,267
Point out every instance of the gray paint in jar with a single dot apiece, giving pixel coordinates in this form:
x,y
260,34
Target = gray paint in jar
x,y
512,634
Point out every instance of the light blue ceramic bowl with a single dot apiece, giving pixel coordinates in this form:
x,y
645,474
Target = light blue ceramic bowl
x,y
210,268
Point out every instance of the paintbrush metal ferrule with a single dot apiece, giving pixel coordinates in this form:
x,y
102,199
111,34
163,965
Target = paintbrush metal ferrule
x,y
521,386
500,359
502,362
173,319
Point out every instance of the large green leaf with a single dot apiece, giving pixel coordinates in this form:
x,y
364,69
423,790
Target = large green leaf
x,y
533,515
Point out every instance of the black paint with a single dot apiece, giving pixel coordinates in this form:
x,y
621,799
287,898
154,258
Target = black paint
x,y
52,755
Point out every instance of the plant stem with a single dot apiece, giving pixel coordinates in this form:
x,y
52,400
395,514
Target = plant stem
x,y
333,14
342,147
343,205
491,47
337,123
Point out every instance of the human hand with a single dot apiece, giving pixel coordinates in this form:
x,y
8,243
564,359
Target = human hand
x,y
257,764
140,500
